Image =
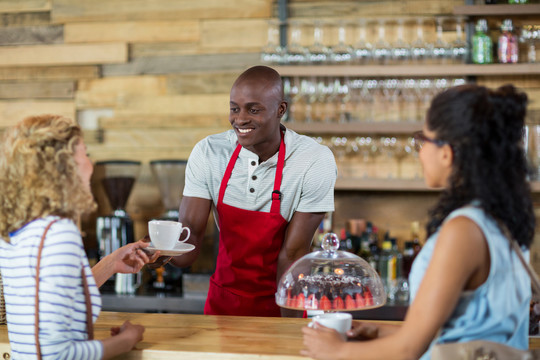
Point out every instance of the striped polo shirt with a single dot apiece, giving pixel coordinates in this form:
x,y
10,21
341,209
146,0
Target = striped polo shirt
x,y
62,308
308,181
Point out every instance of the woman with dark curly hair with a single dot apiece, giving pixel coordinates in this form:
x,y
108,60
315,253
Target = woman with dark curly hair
x,y
466,283
51,294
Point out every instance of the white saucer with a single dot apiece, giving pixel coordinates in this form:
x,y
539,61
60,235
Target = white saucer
x,y
179,249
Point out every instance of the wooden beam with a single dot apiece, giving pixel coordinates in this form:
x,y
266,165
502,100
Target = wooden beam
x,y
239,33
37,90
211,104
25,18
31,35
164,121
183,64
10,6
13,111
63,54
49,73
65,11
132,32
109,92
201,83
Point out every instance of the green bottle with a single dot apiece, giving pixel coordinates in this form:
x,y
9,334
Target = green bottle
x,y
482,47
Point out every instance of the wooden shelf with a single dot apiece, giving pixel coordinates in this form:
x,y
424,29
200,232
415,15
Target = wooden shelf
x,y
498,10
360,184
434,70
355,128
382,184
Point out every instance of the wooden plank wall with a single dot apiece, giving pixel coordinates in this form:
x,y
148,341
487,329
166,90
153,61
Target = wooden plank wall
x,y
147,79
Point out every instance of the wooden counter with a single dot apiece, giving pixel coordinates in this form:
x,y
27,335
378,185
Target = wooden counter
x,y
195,337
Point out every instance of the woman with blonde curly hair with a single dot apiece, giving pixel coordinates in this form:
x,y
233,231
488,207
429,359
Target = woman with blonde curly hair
x,y
51,294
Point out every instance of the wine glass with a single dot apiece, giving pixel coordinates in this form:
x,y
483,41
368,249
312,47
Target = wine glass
x,y
460,48
309,92
401,51
441,51
381,49
296,52
363,50
390,90
410,100
420,49
341,52
272,52
318,52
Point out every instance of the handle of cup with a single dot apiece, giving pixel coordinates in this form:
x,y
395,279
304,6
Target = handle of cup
x,y
188,234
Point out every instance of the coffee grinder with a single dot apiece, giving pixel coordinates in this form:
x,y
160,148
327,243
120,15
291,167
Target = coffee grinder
x,y
116,230
169,175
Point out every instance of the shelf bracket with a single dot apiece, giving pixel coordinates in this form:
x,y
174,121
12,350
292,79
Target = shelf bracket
x,y
282,16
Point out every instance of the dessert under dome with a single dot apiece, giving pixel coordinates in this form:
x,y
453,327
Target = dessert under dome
x,y
330,280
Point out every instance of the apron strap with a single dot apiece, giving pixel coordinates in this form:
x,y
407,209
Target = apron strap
x,y
276,194
89,322
228,173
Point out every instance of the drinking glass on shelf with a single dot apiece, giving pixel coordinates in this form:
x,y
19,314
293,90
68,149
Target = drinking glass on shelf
x,y
441,51
272,52
343,101
308,90
341,52
288,98
387,164
420,49
355,88
390,91
460,48
409,95
363,50
368,151
381,49
367,96
297,105
318,52
296,53
401,51
379,102
530,35
425,91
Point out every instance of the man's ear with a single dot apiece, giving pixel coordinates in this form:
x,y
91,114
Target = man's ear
x,y
282,109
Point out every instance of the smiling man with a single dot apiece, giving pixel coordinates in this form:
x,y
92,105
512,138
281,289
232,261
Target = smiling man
x,y
270,188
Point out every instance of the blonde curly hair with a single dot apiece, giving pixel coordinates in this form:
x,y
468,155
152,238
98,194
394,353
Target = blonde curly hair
x,y
38,173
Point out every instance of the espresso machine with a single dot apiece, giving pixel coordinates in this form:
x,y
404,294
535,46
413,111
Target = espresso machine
x,y
169,174
116,230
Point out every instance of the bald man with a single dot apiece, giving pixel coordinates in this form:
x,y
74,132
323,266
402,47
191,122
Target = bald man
x,y
270,188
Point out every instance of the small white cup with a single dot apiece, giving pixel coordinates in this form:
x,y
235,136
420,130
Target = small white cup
x,y
339,321
165,234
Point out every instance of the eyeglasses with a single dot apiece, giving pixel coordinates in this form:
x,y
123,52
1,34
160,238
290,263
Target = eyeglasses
x,y
420,139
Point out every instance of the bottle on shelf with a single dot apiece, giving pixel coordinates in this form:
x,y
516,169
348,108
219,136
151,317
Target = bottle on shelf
x,y
507,49
387,269
482,47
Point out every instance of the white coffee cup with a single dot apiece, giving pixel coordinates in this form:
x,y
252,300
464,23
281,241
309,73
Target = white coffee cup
x,y
165,234
339,321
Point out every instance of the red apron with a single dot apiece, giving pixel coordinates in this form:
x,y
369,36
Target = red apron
x,y
244,282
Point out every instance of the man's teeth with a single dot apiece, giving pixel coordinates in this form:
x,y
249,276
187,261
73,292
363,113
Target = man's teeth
x,y
244,131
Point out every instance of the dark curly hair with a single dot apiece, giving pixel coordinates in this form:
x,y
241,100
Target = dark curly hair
x,y
485,131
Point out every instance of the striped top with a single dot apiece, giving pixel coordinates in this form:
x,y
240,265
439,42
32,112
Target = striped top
x,y
62,308
308,181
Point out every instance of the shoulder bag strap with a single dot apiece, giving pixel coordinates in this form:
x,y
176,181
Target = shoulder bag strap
x,y
89,322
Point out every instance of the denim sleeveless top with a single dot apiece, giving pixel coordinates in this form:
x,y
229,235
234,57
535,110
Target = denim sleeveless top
x,y
498,310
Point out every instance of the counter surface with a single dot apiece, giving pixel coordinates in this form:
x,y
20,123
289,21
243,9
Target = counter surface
x,y
190,337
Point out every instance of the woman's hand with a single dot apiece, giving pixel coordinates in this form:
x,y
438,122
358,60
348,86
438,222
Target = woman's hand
x,y
321,342
131,258
122,340
363,331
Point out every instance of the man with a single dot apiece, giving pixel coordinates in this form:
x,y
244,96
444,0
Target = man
x,y
270,188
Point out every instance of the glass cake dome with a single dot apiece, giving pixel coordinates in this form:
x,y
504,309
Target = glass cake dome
x,y
330,280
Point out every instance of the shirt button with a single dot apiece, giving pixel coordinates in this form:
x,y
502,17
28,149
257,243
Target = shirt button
x,y
252,190
253,163
254,177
